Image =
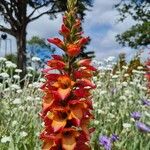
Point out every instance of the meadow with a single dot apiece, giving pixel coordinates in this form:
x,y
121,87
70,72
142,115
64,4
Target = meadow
x,y
121,108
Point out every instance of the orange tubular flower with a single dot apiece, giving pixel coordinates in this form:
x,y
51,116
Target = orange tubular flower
x,y
64,85
69,137
73,50
66,104
56,64
58,119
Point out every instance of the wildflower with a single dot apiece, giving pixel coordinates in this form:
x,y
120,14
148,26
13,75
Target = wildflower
x,y
29,75
140,67
114,76
36,84
96,122
100,111
16,77
126,125
143,127
17,101
136,115
135,71
29,98
125,67
118,72
114,137
5,139
122,97
126,75
29,68
143,88
37,98
111,115
146,102
14,123
15,86
42,80
7,89
105,142
23,134
10,64
18,70
124,84
2,59
112,104
4,75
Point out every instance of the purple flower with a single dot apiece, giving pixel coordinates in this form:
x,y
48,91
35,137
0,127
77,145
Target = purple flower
x,y
105,142
136,115
114,137
146,102
143,127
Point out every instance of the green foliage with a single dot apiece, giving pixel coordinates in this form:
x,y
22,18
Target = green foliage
x,y
139,34
37,41
11,57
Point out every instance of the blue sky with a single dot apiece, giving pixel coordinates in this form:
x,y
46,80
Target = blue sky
x,y
100,24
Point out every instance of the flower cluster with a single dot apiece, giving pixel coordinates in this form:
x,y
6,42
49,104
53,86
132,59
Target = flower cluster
x,y
67,101
15,100
120,107
106,142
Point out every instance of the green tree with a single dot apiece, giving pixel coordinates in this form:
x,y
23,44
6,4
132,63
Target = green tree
x,y
16,16
35,40
139,34
37,46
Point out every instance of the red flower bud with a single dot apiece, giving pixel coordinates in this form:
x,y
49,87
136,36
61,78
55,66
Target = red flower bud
x,y
83,41
57,42
64,30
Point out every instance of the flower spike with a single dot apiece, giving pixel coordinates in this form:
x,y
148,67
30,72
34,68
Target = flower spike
x,y
66,104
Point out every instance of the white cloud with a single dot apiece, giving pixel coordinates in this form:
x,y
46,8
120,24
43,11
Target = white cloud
x,y
104,14
44,27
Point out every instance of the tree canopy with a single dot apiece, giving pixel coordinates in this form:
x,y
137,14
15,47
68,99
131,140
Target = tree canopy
x,y
14,12
139,34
